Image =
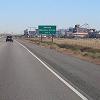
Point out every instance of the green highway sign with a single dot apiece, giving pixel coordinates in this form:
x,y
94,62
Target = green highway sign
x,y
47,29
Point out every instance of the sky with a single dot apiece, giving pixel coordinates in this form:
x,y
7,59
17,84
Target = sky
x,y
17,15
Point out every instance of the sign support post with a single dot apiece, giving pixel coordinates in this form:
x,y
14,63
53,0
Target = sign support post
x,y
52,38
41,37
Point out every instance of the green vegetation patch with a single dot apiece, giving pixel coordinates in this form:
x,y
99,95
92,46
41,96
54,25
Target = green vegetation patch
x,y
77,47
72,47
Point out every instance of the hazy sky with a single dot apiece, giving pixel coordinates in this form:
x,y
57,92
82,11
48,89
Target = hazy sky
x,y
17,15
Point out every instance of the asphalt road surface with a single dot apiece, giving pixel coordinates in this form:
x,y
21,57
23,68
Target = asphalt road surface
x,y
24,77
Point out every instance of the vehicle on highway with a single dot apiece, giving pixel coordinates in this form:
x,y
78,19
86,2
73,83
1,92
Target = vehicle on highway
x,y
9,38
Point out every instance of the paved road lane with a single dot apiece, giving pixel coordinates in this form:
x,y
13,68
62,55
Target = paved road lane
x,y
83,74
23,77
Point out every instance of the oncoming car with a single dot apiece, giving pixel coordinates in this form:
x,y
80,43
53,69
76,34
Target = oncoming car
x,y
9,39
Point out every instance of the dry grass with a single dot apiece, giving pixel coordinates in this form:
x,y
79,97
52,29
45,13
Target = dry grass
x,y
93,43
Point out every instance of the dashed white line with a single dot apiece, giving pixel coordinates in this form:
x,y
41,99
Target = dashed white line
x,y
61,79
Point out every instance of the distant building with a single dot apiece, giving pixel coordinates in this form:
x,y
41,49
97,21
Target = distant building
x,y
29,33
69,33
94,34
26,33
32,33
80,32
61,32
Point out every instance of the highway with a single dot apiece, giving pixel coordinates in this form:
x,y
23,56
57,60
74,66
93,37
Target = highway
x,y
30,72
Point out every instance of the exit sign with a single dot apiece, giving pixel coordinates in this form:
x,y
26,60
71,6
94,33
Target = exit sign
x,y
47,29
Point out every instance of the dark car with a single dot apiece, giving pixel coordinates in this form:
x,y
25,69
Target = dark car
x,y
9,39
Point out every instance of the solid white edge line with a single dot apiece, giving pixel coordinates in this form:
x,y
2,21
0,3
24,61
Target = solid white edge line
x,y
61,79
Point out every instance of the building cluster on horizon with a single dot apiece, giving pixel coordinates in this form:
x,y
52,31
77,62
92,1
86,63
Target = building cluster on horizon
x,y
79,31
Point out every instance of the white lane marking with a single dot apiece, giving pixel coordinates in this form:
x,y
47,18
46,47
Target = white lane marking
x,y
61,79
